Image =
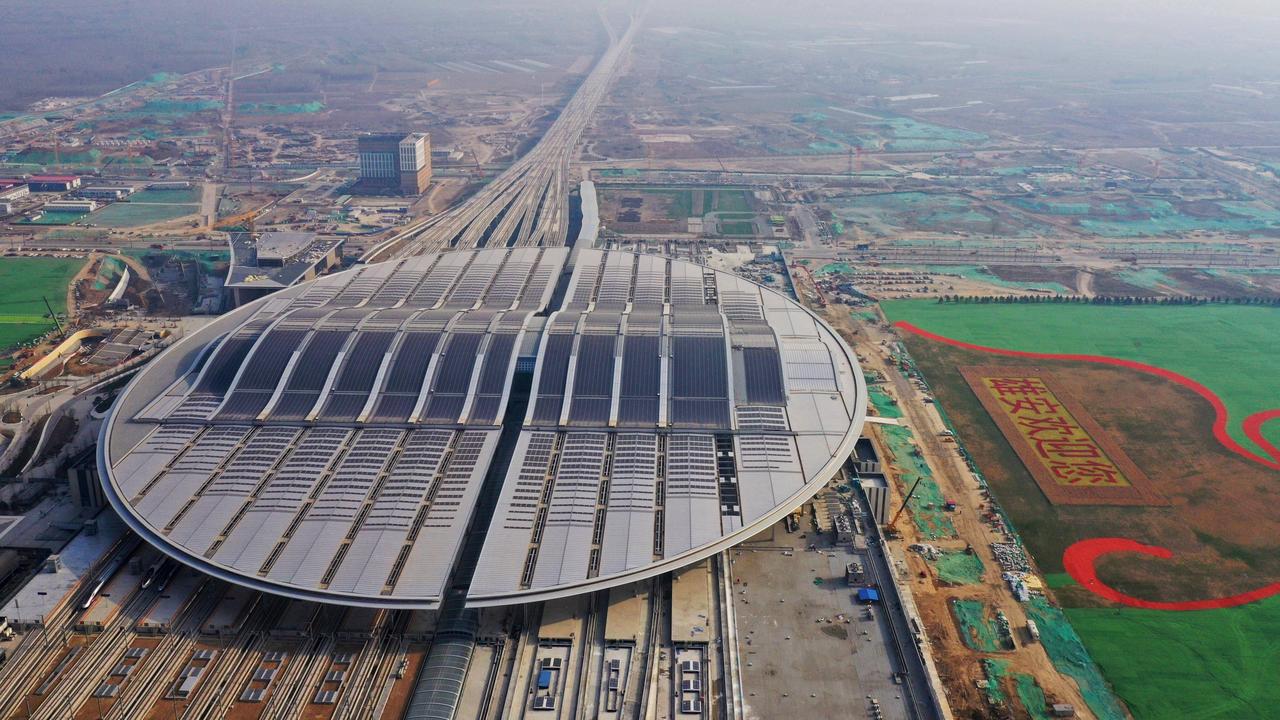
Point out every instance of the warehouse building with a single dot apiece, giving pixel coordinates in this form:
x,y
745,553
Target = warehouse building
x,y
607,417
53,183
106,192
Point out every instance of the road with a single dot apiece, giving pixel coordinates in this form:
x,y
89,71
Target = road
x,y
209,203
528,204
910,660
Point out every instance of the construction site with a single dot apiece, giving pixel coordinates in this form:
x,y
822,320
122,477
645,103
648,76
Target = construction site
x,y
569,421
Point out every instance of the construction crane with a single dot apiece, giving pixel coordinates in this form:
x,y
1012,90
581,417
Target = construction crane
x,y
892,525
723,169
53,315
1085,159
1155,173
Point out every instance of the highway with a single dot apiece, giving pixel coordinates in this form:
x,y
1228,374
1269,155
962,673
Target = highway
x,y
528,204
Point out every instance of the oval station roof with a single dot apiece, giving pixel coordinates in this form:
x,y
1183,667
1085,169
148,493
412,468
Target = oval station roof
x,y
565,424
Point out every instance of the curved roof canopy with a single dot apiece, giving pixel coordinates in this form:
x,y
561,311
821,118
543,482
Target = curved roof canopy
x,y
591,422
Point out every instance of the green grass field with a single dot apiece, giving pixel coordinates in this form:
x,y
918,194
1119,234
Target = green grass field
x,y
738,229
179,195
124,215
25,281
1204,665
681,206
732,201
1233,350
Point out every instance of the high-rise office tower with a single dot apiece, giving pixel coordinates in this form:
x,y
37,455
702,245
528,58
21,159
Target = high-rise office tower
x,y
395,161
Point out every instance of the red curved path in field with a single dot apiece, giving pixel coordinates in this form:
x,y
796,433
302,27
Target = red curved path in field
x,y
1081,563
1252,425
1081,558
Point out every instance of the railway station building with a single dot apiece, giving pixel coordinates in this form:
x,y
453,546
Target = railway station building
x,y
510,424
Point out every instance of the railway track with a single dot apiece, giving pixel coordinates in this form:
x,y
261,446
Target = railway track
x,y
35,656
528,204
590,658
289,695
362,695
233,665
147,687
96,660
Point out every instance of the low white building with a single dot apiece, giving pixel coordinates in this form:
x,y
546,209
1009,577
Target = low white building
x,y
17,192
102,192
82,206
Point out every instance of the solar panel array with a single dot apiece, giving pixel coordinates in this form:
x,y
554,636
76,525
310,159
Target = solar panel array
x,y
331,441
334,441
662,419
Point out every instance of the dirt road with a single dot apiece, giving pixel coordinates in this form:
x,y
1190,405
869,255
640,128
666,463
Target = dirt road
x,y
959,665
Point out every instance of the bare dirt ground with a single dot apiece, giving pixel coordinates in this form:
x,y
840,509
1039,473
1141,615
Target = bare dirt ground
x,y
1220,523
444,193
1200,282
636,212
86,272
1107,283
958,664
1065,276
398,698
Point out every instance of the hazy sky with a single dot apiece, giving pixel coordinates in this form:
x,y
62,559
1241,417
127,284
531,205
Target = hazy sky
x,y
90,46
